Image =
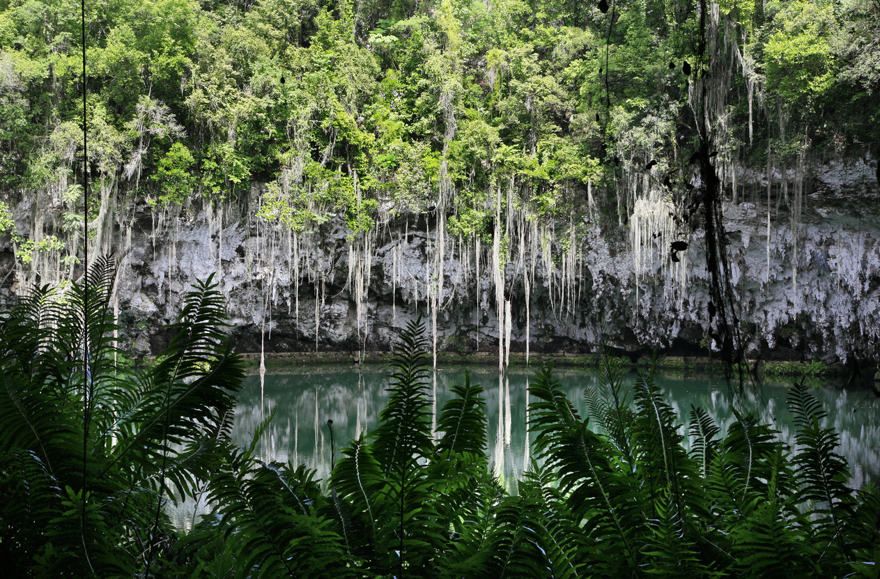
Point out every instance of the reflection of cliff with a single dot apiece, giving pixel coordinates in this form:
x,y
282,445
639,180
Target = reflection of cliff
x,y
304,400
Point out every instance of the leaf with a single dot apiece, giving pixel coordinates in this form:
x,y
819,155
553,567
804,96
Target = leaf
x,y
463,420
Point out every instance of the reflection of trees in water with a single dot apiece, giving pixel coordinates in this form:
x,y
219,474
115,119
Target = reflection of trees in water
x,y
303,400
855,415
302,403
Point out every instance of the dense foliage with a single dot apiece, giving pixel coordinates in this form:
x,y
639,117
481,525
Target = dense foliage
x,y
85,472
90,442
340,108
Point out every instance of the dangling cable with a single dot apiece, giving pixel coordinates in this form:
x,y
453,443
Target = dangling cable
x,y
607,45
86,371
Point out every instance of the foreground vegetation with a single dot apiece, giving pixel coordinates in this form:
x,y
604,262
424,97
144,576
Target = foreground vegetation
x,y
92,446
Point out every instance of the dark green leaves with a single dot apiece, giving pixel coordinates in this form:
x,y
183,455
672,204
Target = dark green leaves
x,y
90,448
463,420
625,501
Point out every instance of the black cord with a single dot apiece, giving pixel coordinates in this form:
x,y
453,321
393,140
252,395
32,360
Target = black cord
x,y
86,373
607,44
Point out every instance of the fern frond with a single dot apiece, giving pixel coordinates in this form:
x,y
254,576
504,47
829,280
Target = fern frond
x,y
359,480
463,420
404,432
668,549
748,450
189,391
536,535
820,470
271,515
704,445
663,464
583,462
609,405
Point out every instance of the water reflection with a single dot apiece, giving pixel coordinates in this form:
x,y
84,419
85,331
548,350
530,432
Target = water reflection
x,y
303,399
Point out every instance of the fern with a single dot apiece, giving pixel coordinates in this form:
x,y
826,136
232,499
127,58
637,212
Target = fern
x,y
703,432
86,433
821,472
535,534
272,517
863,532
385,485
748,450
668,549
663,462
609,406
91,452
463,420
360,482
770,540
582,460
187,393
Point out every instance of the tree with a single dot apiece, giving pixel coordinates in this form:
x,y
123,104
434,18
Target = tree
x,y
175,175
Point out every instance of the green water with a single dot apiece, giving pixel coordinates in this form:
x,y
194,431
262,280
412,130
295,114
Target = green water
x,y
304,398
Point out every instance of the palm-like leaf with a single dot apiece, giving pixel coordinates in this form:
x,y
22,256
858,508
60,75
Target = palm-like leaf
x,y
821,472
463,420
582,460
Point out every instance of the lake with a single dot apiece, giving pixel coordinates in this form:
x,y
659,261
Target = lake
x,y
304,398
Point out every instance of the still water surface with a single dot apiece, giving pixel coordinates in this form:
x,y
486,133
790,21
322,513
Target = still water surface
x,y
304,398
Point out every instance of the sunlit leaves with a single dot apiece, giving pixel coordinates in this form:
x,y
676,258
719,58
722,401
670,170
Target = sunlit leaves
x,y
7,223
174,174
798,53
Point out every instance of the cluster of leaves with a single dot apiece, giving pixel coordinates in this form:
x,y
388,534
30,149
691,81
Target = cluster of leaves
x,y
91,448
89,443
27,247
345,107
7,223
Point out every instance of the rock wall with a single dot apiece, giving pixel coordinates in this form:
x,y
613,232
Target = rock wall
x,y
814,294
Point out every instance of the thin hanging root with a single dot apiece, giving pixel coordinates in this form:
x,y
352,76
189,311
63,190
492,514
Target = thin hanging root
x,y
652,232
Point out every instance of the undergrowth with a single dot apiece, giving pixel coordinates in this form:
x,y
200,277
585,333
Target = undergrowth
x,y
92,450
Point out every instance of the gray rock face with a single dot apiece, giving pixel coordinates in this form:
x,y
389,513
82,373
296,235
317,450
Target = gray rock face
x,y
815,293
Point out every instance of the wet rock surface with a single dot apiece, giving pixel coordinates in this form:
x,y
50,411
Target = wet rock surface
x,y
814,294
